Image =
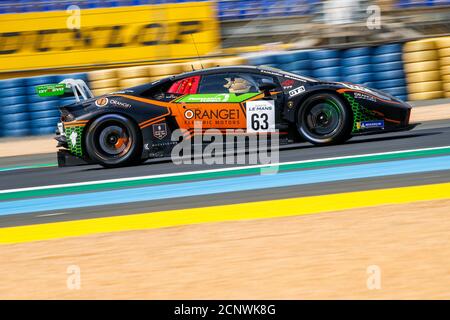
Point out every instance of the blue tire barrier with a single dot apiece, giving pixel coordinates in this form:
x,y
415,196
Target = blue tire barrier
x,y
15,132
297,65
353,61
43,130
370,85
361,78
45,122
35,81
7,101
387,66
262,60
391,57
403,97
396,91
323,54
271,65
331,79
388,48
45,114
15,117
31,90
389,75
9,92
363,68
14,108
357,52
12,83
301,55
327,72
325,63
34,98
17,125
43,106
400,82
285,58
307,73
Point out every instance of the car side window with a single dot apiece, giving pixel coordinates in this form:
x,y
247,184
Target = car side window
x,y
232,83
258,79
214,83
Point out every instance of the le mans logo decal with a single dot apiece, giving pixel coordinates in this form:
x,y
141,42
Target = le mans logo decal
x,y
160,131
101,102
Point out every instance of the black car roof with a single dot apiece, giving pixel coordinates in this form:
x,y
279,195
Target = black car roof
x,y
241,68
218,69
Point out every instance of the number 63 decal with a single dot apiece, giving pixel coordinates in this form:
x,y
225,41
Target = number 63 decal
x,y
260,116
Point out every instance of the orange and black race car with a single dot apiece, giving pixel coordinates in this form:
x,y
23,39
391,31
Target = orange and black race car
x,y
138,123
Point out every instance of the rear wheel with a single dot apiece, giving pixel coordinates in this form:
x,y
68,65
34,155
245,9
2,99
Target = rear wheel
x,y
114,141
324,119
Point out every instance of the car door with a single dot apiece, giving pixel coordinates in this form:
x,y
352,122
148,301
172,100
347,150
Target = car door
x,y
219,101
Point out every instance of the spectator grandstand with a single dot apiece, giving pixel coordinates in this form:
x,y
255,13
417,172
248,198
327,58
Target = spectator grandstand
x,y
227,9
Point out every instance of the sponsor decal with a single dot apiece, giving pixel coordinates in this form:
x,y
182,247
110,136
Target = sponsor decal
x,y
359,95
120,104
223,97
50,90
104,34
260,116
101,102
212,114
73,138
216,98
296,91
123,91
160,130
271,72
189,114
370,124
361,88
298,78
287,84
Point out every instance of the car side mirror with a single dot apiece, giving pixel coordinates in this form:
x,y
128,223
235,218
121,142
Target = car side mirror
x,y
266,87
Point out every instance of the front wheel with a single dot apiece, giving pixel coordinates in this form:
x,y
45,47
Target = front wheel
x,y
324,119
114,141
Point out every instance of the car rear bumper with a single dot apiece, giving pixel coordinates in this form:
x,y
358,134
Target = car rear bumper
x,y
66,159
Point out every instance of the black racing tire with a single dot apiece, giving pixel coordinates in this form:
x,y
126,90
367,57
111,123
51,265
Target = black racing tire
x,y
324,119
113,140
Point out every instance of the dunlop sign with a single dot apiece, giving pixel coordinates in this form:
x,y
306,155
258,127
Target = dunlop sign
x,y
104,36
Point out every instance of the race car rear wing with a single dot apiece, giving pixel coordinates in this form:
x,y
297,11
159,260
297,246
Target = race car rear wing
x,y
76,87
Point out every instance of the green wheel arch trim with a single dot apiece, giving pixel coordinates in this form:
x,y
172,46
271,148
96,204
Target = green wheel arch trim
x,y
360,113
75,134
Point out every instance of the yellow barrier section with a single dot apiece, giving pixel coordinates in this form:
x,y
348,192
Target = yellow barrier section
x,y
113,35
110,80
421,63
443,45
233,212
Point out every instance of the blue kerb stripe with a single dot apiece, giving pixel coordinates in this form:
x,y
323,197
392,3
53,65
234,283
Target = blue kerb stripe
x,y
217,186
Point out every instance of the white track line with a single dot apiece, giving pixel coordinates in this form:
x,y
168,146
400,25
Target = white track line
x,y
213,170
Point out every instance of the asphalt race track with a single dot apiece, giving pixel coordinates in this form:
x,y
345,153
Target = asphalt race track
x,y
410,171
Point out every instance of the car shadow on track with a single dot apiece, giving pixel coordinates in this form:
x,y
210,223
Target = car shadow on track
x,y
297,146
